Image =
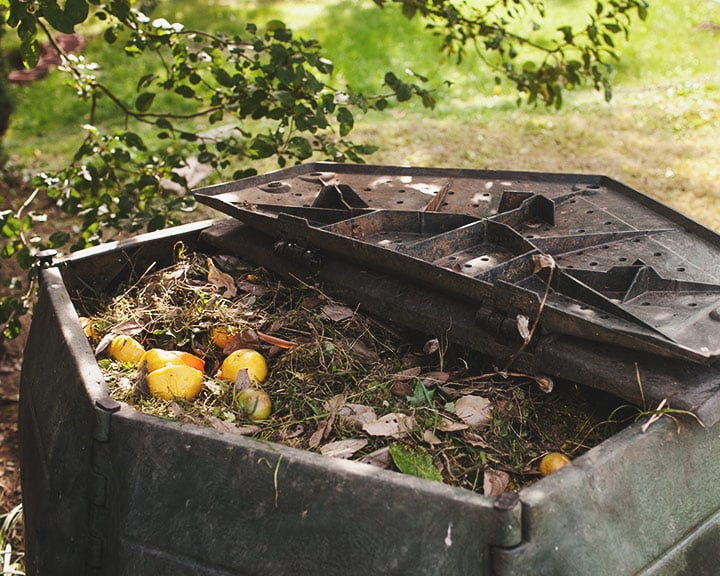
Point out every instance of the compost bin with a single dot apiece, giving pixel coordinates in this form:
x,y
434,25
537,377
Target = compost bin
x,y
623,293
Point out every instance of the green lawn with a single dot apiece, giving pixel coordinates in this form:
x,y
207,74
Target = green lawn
x,y
658,134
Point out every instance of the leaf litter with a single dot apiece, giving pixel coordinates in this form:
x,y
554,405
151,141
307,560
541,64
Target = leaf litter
x,y
343,383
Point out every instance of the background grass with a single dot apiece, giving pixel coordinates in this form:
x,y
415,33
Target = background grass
x,y
659,133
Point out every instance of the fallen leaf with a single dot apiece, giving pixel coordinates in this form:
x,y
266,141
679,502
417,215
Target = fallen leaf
x,y
333,405
430,438
523,327
317,436
435,378
546,384
357,414
130,327
343,448
393,424
337,312
475,440
245,339
447,425
242,380
474,410
223,282
543,261
408,374
495,482
379,458
415,462
401,389
360,351
431,346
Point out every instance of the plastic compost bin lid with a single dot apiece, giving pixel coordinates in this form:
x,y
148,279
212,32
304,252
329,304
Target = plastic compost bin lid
x,y
583,255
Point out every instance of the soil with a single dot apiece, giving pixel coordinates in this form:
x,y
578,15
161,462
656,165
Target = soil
x,y
10,360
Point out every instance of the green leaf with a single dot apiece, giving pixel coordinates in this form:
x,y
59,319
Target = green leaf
x,y
58,239
77,10
300,148
144,101
421,395
262,147
346,120
57,18
133,140
414,462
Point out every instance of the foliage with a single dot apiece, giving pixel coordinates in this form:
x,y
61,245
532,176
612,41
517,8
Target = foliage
x,y
541,67
263,94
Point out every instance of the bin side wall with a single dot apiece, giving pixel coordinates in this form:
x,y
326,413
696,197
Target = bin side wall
x,y
621,505
244,507
55,425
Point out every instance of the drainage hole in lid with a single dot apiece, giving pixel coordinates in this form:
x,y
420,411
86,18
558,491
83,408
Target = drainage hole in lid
x,y
593,263
657,254
581,230
644,303
451,192
589,211
605,247
400,202
637,239
401,191
681,269
476,205
486,194
298,193
608,223
622,259
368,189
484,258
275,184
692,304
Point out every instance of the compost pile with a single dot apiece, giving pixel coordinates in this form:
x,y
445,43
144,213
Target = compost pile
x,y
340,382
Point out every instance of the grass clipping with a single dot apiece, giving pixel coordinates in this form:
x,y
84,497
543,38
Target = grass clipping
x,y
343,383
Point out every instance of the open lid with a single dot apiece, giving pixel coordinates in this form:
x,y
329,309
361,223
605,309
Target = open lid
x,y
591,258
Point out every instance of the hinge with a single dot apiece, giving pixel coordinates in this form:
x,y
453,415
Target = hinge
x,y
100,482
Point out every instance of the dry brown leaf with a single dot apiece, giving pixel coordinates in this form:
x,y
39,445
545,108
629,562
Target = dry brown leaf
x,y
430,438
223,282
360,351
333,406
523,327
317,436
495,482
546,384
343,448
475,440
408,374
242,380
435,378
337,312
357,414
245,339
474,410
393,424
447,425
543,261
401,389
431,346
380,458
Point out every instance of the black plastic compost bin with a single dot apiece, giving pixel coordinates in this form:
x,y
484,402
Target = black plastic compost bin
x,y
108,490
